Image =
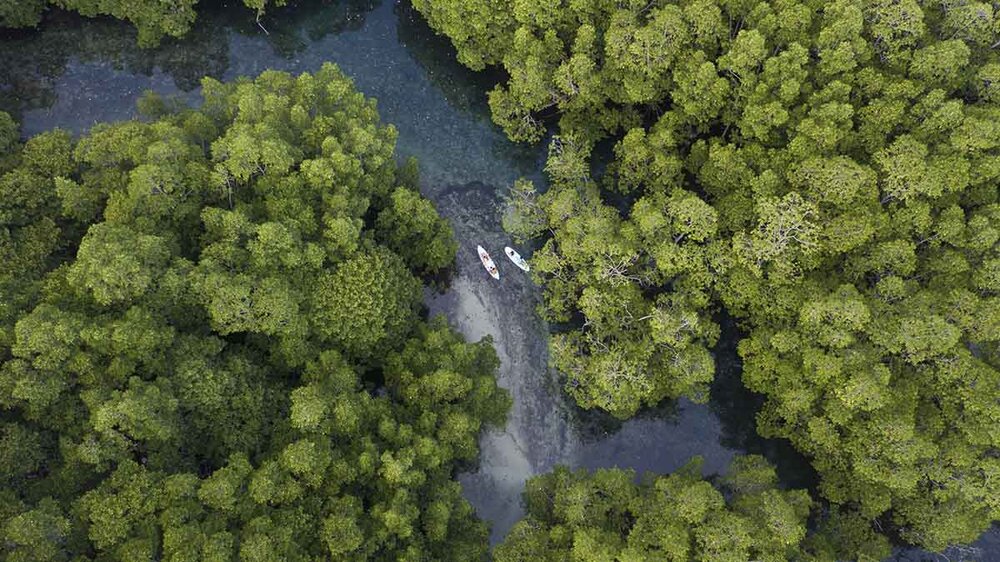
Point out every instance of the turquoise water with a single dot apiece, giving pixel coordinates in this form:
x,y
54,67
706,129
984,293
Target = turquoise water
x,y
78,72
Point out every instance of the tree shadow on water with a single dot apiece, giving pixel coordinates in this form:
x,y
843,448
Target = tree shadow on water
x,y
594,425
291,28
464,88
737,407
34,60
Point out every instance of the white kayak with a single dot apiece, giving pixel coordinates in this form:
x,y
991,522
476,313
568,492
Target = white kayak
x,y
516,258
488,263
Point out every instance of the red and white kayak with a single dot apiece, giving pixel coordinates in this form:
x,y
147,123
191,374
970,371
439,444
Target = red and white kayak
x,y
516,258
491,267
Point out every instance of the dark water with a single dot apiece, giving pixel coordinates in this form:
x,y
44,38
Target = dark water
x,y
79,72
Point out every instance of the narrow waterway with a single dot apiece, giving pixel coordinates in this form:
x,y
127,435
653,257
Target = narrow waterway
x,y
77,72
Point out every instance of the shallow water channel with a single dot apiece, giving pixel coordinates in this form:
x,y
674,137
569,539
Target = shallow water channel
x,y
77,72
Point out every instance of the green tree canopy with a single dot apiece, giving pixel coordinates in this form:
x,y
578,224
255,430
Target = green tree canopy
x,y
605,515
826,172
211,349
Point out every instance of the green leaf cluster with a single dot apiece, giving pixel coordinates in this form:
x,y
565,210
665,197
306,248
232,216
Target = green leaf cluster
x,y
636,344
212,344
826,172
606,516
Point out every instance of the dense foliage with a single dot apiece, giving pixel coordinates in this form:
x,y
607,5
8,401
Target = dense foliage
x,y
211,339
154,19
680,517
826,171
